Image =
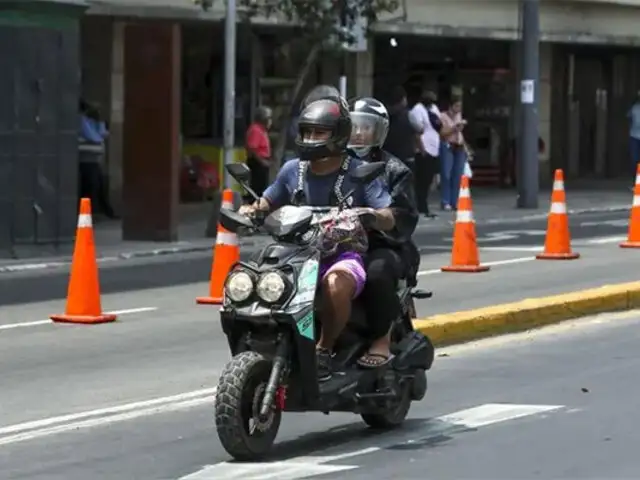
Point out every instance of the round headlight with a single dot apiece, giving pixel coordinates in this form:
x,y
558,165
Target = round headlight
x,y
271,287
239,286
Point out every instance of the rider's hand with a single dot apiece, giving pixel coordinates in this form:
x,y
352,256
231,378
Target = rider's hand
x,y
368,217
247,210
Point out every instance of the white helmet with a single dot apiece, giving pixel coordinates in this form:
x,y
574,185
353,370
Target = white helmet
x,y
370,125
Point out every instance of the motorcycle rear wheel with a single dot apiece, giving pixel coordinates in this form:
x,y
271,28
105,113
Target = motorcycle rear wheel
x,y
240,391
394,416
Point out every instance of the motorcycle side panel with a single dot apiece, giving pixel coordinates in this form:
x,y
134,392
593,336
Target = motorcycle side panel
x,y
414,351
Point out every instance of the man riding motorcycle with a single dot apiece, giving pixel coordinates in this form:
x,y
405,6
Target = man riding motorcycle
x,y
392,254
319,178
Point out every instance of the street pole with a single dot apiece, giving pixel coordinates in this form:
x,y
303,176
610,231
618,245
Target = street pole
x,y
528,176
229,87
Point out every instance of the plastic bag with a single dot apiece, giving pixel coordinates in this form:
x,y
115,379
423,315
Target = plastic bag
x,y
343,232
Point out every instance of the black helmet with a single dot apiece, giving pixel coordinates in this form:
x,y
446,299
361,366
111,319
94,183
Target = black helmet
x,y
370,120
331,115
320,92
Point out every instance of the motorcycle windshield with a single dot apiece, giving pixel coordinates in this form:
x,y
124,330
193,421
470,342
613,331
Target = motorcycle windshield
x,y
288,220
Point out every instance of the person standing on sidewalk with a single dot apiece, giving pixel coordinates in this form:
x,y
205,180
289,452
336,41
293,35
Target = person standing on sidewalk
x,y
427,114
453,155
403,129
258,146
634,133
91,149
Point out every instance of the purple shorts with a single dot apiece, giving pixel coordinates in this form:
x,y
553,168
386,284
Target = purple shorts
x,y
350,263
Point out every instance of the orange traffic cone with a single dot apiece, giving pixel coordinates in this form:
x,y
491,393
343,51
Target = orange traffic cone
x,y
557,244
633,238
464,256
83,296
226,253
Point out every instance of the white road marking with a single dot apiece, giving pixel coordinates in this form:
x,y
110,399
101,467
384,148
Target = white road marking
x,y
612,223
494,263
128,411
308,466
604,240
128,311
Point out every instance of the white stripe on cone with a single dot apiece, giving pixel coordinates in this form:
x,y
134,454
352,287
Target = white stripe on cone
x,y
558,207
636,201
84,220
464,216
464,193
226,238
227,205
558,185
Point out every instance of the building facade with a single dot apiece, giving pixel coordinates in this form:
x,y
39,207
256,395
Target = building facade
x,y
156,69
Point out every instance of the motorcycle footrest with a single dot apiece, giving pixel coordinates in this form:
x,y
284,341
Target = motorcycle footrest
x,y
380,395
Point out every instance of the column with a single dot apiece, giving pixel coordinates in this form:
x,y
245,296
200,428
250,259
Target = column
x,y
151,153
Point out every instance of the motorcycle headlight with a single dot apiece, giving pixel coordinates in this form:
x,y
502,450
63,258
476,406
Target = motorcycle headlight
x,y
271,287
239,286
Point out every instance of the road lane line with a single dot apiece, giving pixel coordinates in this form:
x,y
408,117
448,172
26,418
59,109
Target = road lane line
x,y
605,240
95,422
128,311
311,465
75,421
494,263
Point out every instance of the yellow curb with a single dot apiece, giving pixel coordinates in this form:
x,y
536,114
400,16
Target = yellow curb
x,y
459,327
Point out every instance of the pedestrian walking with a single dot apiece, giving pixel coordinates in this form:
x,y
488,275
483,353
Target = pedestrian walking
x,y
453,154
427,114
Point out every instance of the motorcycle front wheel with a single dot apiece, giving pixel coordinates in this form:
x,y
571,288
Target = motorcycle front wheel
x,y
244,434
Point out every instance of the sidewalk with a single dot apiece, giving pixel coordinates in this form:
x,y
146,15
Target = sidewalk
x,y
490,206
493,206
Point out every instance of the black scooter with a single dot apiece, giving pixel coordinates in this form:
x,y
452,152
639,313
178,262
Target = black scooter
x,y
269,317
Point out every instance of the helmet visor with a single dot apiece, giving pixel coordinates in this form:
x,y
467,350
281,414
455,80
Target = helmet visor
x,y
312,135
367,130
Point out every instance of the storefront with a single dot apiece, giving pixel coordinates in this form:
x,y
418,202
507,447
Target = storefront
x,y
478,70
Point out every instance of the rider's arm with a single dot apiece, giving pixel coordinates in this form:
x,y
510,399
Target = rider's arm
x,y
279,192
378,198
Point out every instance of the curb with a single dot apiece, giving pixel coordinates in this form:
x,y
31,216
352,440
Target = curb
x,y
465,326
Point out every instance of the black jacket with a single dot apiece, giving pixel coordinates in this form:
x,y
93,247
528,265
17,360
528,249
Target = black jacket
x,y
401,137
399,181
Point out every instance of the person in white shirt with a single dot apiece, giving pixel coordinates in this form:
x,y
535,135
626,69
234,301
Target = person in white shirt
x,y
426,113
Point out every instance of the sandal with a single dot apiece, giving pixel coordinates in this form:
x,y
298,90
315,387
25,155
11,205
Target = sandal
x,y
374,360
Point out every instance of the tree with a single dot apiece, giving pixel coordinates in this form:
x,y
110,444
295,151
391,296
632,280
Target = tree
x,y
319,25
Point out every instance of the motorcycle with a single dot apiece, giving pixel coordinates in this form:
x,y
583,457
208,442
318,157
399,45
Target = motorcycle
x,y
269,316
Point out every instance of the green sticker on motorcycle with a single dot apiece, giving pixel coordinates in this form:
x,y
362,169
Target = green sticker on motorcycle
x,y
307,282
306,327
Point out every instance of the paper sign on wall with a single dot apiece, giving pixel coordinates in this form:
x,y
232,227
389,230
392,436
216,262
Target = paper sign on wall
x,y
527,91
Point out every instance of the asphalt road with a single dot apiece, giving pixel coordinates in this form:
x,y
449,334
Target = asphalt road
x,y
181,269
559,403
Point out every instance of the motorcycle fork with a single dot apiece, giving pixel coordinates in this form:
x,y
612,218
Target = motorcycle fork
x,y
279,365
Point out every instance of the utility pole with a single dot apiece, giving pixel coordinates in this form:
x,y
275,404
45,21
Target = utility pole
x,y
229,87
528,164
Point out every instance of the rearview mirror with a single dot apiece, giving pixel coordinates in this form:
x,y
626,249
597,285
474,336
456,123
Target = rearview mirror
x,y
239,171
367,172
233,221
242,174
